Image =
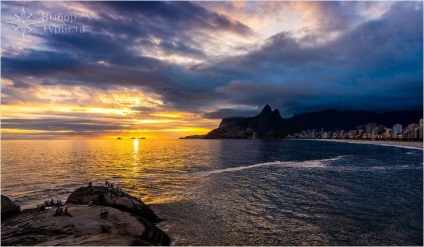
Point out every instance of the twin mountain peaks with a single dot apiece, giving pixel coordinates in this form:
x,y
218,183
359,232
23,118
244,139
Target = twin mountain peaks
x,y
270,124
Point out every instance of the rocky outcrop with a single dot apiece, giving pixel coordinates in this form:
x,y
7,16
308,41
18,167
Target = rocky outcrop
x,y
8,207
267,124
104,196
127,222
193,137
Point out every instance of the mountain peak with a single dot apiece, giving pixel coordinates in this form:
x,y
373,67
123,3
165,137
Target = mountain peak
x,y
267,110
276,114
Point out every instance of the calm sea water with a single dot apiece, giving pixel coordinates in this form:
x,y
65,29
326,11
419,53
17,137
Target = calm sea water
x,y
238,192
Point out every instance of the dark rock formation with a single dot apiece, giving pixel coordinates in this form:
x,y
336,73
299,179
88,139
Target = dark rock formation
x,y
128,222
102,196
8,207
267,124
193,137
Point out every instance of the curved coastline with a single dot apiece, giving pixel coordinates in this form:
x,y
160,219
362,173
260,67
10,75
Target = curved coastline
x,y
408,144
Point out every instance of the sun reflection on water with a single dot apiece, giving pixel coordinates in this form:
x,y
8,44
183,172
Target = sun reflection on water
x,y
157,171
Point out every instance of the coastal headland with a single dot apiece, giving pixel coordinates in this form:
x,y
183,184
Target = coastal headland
x,y
95,215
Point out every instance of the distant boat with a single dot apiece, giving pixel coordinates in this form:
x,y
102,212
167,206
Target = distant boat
x,y
142,138
119,138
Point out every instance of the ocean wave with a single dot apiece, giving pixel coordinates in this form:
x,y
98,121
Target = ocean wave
x,y
387,145
413,153
322,163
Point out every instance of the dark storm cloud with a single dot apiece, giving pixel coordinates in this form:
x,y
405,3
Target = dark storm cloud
x,y
64,68
115,50
375,66
226,113
57,124
182,15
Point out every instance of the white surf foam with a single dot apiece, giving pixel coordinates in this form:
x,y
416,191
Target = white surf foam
x,y
296,164
388,145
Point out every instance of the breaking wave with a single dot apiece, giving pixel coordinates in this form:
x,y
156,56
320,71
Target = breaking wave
x,y
296,164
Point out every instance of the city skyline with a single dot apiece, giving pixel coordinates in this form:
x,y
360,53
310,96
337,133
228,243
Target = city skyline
x,y
172,69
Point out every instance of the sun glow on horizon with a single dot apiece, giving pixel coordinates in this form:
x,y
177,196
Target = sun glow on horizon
x,y
31,121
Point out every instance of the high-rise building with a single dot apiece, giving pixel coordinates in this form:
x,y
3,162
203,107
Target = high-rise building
x,y
416,133
412,127
389,133
370,127
397,129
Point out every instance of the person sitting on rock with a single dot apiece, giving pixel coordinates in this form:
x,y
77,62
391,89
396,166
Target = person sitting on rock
x,y
57,213
67,213
90,184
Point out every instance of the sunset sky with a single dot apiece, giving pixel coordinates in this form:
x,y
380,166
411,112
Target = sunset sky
x,y
171,69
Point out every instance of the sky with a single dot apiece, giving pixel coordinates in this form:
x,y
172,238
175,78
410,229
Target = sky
x,y
88,70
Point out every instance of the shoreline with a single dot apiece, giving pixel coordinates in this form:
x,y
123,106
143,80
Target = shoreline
x,y
400,144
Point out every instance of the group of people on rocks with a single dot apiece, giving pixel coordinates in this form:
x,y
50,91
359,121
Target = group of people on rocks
x,y
113,191
50,203
108,184
104,212
60,212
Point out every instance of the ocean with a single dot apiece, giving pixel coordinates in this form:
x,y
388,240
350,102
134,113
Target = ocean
x,y
238,192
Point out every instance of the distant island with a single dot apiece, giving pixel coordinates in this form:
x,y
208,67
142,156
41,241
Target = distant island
x,y
269,123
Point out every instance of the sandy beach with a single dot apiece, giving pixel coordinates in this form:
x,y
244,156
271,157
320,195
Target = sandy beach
x,y
406,144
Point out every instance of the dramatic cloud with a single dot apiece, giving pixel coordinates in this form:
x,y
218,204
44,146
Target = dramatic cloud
x,y
175,68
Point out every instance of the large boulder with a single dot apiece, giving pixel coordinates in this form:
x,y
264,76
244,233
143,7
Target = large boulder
x,y
107,197
8,207
86,227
